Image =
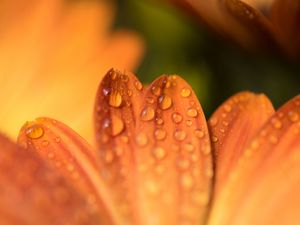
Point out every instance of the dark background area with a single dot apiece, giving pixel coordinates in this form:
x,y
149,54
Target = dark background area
x,y
176,44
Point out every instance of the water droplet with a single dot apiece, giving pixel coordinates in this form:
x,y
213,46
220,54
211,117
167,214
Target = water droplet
x,y
213,121
186,181
177,117
160,134
117,125
214,139
183,164
227,108
45,143
159,121
156,90
293,116
70,167
159,153
206,149
152,187
34,131
192,112
199,133
150,100
138,85
125,139
276,123
179,135
185,92
115,99
109,156
147,113
141,139
165,102
273,139
105,91
51,155
189,147
57,139
124,78
201,198
129,92
189,123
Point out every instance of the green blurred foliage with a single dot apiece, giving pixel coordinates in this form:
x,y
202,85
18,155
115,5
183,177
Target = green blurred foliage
x,y
215,68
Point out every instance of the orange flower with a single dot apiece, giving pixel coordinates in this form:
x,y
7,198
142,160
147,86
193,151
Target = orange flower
x,y
53,54
259,24
154,163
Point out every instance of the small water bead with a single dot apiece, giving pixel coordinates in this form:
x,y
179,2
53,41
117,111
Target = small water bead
x,y
189,123
186,181
179,135
148,113
159,153
152,187
115,99
214,139
185,92
160,134
117,125
150,100
165,102
105,91
124,78
156,90
125,139
34,132
199,133
159,121
177,117
51,155
276,123
273,139
108,156
213,121
293,116
141,140
138,85
227,108
183,164
45,143
201,198
129,93
206,150
189,147
57,139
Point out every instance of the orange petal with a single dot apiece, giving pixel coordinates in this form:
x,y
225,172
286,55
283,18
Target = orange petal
x,y
73,158
264,186
154,149
54,50
235,20
232,126
33,193
286,18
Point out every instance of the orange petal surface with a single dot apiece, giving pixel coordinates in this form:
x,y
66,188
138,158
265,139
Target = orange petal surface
x,y
69,155
263,188
53,54
154,148
232,126
32,193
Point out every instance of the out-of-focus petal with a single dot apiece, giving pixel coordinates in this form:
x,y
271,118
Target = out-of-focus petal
x,y
69,155
33,193
286,19
154,148
236,20
232,126
52,58
264,186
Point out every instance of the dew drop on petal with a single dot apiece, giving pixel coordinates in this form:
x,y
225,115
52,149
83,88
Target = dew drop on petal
x,y
156,90
138,85
214,139
199,133
228,108
147,113
141,140
293,116
160,134
177,117
185,92
186,181
117,125
34,132
192,112
115,99
159,121
45,143
189,147
189,123
165,102
213,121
179,135
159,153
276,123
183,164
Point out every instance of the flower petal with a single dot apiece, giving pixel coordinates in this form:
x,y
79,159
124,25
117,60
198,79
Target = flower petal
x,y
53,50
154,146
286,19
236,20
264,186
33,193
68,154
232,126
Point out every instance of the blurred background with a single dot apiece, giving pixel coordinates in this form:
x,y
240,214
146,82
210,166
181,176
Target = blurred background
x,y
177,44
